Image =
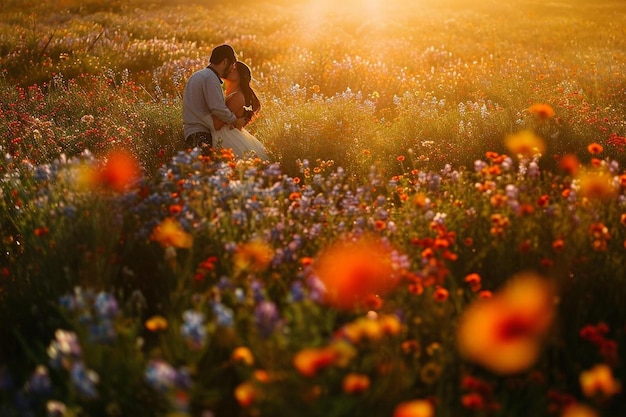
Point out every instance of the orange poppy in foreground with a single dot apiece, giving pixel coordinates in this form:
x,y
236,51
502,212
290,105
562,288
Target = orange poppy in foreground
x,y
352,270
415,408
504,333
120,170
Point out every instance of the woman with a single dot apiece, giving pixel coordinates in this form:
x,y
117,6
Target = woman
x,y
241,100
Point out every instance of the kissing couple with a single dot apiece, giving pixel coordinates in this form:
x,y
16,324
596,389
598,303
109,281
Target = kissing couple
x,y
214,116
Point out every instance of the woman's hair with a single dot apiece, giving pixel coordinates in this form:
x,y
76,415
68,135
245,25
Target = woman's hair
x,y
251,100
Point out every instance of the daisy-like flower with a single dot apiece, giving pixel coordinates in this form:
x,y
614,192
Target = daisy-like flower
x,y
503,333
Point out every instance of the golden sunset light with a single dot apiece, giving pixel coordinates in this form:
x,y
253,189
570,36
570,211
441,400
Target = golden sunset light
x,y
311,208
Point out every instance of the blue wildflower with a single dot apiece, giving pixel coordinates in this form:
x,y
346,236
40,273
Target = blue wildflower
x,y
193,329
160,375
223,315
84,380
39,382
105,305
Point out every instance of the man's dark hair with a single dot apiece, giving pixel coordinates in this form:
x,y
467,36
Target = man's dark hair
x,y
221,53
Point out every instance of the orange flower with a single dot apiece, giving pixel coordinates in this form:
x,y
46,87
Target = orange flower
x,y
175,209
120,170
351,270
242,354
595,148
578,410
543,201
41,231
310,360
156,323
254,256
622,219
170,233
390,324
558,245
570,164
599,380
441,294
525,143
354,383
503,333
245,394
415,408
474,281
541,110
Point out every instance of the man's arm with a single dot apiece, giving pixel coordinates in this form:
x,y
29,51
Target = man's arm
x,y
214,97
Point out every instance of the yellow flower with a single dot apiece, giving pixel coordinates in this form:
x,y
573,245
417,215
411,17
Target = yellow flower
x,y
354,383
525,143
415,408
170,234
156,323
596,184
599,380
579,410
242,354
253,256
246,393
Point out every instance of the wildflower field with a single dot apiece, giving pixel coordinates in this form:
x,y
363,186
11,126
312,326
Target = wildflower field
x,y
440,230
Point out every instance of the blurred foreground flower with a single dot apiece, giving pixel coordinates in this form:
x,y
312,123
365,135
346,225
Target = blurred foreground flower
x,y
353,270
254,256
504,333
170,233
416,408
525,143
579,410
596,184
310,360
120,170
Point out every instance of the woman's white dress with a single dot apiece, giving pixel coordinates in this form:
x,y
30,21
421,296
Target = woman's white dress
x,y
242,143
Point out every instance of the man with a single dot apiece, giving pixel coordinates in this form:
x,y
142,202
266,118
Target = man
x,y
203,97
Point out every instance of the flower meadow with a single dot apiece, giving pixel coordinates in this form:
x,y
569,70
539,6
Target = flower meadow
x,y
440,230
